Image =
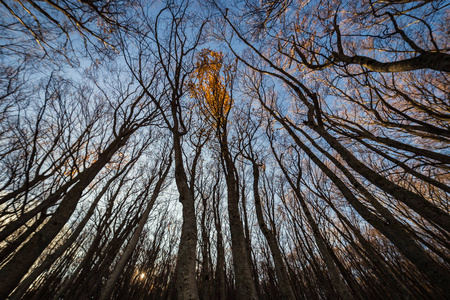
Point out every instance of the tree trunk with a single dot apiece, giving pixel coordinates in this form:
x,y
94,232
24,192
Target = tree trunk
x,y
109,286
220,284
186,282
49,260
280,269
13,271
436,273
245,287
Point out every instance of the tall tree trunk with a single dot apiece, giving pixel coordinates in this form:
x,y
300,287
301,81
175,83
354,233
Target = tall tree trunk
x,y
392,230
205,271
13,271
245,287
280,269
75,278
49,260
416,202
248,242
186,282
338,283
220,278
110,283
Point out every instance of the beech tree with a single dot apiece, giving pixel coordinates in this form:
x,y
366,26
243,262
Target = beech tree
x,y
215,79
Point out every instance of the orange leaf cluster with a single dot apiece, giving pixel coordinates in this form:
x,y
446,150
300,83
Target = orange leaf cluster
x,y
209,84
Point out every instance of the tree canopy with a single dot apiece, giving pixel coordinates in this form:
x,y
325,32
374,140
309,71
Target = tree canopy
x,y
224,150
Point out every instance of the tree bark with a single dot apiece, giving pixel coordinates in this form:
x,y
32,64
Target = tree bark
x,y
186,282
245,287
428,60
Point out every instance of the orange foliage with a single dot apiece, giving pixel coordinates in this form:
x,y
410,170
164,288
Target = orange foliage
x,y
210,83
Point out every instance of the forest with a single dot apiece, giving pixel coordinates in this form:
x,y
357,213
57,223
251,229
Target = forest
x,y
224,149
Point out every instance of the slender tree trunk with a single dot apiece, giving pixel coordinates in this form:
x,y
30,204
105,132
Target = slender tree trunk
x,y
416,202
245,287
248,242
338,283
109,286
384,272
75,277
221,292
205,271
52,199
49,260
436,273
280,269
13,271
12,246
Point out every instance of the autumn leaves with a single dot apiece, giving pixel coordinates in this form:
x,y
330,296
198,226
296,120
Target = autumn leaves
x,y
211,84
